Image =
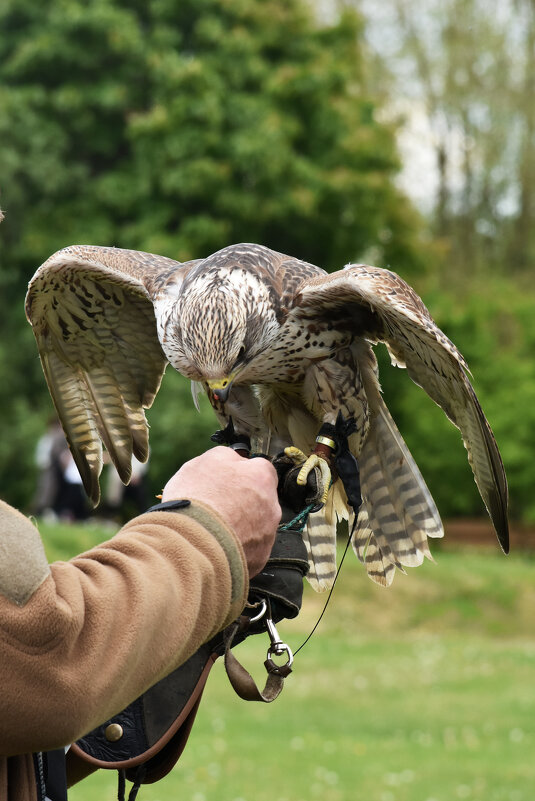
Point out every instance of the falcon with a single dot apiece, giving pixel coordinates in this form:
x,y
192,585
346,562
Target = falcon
x,y
280,347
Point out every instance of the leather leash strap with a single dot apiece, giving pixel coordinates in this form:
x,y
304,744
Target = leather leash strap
x,y
242,681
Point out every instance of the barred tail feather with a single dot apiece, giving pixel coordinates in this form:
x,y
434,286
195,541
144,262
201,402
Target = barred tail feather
x,y
398,510
379,565
319,537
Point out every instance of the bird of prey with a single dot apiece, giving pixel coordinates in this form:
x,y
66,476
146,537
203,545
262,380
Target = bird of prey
x,y
279,346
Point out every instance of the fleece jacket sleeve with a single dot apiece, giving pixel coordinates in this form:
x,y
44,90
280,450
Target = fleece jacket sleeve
x,y
80,640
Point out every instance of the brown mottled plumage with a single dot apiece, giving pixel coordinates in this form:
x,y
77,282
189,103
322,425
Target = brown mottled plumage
x,y
288,346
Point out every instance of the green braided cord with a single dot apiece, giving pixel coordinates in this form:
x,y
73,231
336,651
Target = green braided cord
x,y
301,518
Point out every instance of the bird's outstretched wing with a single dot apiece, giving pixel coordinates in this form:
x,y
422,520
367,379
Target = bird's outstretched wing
x,y
378,305
91,309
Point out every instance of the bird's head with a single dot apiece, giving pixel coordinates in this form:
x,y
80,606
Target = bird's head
x,y
226,322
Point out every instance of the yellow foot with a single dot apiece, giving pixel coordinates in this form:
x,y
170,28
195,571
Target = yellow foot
x,y
297,456
308,465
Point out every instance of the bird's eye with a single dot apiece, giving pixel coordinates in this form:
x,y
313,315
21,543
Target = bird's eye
x,y
241,354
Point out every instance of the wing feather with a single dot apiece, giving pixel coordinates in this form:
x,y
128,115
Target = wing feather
x,y
379,306
93,317
75,410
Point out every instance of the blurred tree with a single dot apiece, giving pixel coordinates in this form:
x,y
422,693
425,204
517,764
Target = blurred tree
x,y
178,127
468,67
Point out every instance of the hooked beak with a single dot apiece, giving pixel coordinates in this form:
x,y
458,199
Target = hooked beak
x,y
221,388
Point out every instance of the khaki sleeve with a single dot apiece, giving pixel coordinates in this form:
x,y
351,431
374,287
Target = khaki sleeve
x,y
23,564
101,629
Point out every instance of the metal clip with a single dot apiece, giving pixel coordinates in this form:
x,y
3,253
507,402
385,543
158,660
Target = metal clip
x,y
277,647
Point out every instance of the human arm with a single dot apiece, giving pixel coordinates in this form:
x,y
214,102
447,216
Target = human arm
x,y
97,631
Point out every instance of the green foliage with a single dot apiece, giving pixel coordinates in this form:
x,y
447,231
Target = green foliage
x,y
179,127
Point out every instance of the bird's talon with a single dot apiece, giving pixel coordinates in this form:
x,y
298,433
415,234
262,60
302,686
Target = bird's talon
x,y
316,461
297,456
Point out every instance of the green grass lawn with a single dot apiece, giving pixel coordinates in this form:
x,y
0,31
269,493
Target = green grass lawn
x,y
422,692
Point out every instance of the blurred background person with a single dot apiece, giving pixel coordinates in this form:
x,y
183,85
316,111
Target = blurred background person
x,y
50,471
124,501
59,493
72,503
